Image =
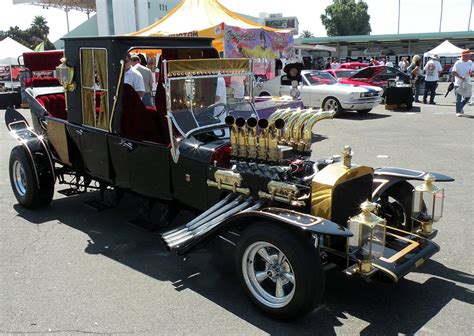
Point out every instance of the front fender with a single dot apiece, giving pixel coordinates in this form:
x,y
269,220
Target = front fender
x,y
410,174
34,145
386,177
293,219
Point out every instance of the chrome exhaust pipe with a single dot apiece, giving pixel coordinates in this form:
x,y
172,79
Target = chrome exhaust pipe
x,y
202,216
203,229
211,216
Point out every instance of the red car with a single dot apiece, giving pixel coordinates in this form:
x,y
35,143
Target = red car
x,y
376,76
341,73
354,65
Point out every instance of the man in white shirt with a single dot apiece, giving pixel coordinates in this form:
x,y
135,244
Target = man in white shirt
x,y
462,71
133,77
147,79
432,71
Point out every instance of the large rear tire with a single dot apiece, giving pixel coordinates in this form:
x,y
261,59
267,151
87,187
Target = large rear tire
x,y
24,184
280,270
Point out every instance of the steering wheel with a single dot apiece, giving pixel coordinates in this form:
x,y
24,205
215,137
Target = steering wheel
x,y
217,105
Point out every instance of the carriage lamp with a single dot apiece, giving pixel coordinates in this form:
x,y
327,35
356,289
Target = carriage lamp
x,y
347,157
428,202
65,75
294,92
368,241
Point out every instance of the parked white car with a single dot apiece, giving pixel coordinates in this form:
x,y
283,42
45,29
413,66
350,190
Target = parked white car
x,y
319,89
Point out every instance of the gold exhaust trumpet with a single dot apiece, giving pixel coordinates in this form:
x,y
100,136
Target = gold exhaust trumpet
x,y
242,137
234,133
262,150
304,144
252,137
274,138
296,131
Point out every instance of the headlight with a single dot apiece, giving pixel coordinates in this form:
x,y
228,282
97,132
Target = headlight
x,y
355,95
368,242
428,201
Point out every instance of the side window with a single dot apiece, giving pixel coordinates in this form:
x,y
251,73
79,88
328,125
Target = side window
x,y
94,88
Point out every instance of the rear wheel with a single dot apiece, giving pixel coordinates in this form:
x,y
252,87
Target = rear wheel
x,y
333,104
280,271
24,184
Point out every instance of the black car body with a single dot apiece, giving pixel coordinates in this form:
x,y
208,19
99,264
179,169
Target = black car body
x,y
290,214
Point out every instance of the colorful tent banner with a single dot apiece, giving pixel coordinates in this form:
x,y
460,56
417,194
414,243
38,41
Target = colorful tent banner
x,y
256,43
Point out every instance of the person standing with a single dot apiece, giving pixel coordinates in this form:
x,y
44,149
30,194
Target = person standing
x,y
462,71
147,79
133,77
389,62
417,75
432,71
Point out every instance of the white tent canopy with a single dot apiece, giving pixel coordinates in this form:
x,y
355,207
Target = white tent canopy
x,y
10,50
445,49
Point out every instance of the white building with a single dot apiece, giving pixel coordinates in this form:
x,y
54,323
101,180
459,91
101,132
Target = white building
x,y
119,17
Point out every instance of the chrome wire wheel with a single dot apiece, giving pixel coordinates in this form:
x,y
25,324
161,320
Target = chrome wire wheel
x,y
268,274
19,178
331,104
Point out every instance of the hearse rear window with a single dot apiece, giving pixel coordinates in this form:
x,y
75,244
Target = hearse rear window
x,y
94,88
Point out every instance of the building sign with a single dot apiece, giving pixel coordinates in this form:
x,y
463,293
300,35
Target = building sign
x,y
283,23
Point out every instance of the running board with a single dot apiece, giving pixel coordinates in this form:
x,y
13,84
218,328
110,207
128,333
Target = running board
x,y
191,233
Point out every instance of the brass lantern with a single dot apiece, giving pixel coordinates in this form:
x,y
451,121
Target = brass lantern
x,y
368,241
65,75
428,202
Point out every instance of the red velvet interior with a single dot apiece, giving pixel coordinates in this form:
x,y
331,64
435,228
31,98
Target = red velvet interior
x,y
140,122
42,60
41,82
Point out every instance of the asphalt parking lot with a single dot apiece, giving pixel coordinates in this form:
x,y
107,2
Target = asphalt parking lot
x,y
70,270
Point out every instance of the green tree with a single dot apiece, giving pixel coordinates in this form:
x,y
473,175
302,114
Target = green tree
x,y
36,34
39,27
346,17
306,34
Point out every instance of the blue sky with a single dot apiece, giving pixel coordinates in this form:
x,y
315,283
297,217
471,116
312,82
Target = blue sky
x,y
417,16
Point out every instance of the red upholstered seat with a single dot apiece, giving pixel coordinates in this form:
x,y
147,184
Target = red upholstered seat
x,y
139,122
54,104
42,82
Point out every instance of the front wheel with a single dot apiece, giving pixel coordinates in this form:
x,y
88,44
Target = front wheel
x,y
280,271
24,183
333,104
396,205
365,111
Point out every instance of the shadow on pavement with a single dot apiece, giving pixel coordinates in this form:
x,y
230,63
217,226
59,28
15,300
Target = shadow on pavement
x,y
388,309
358,116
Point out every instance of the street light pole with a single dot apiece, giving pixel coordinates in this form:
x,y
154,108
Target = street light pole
x,y
398,30
441,16
470,14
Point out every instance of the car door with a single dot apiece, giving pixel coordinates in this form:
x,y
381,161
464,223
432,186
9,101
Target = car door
x,y
306,92
92,144
141,166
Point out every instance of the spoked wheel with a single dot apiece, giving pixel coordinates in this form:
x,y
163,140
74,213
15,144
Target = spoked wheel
x,y
280,270
332,104
268,274
24,183
395,206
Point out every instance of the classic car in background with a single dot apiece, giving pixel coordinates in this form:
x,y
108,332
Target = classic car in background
x,y
341,73
319,89
376,76
289,215
354,65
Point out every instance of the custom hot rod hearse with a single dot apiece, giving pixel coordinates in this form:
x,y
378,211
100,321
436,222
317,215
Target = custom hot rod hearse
x,y
291,215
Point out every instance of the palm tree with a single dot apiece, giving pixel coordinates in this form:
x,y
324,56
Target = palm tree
x,y
40,25
306,34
